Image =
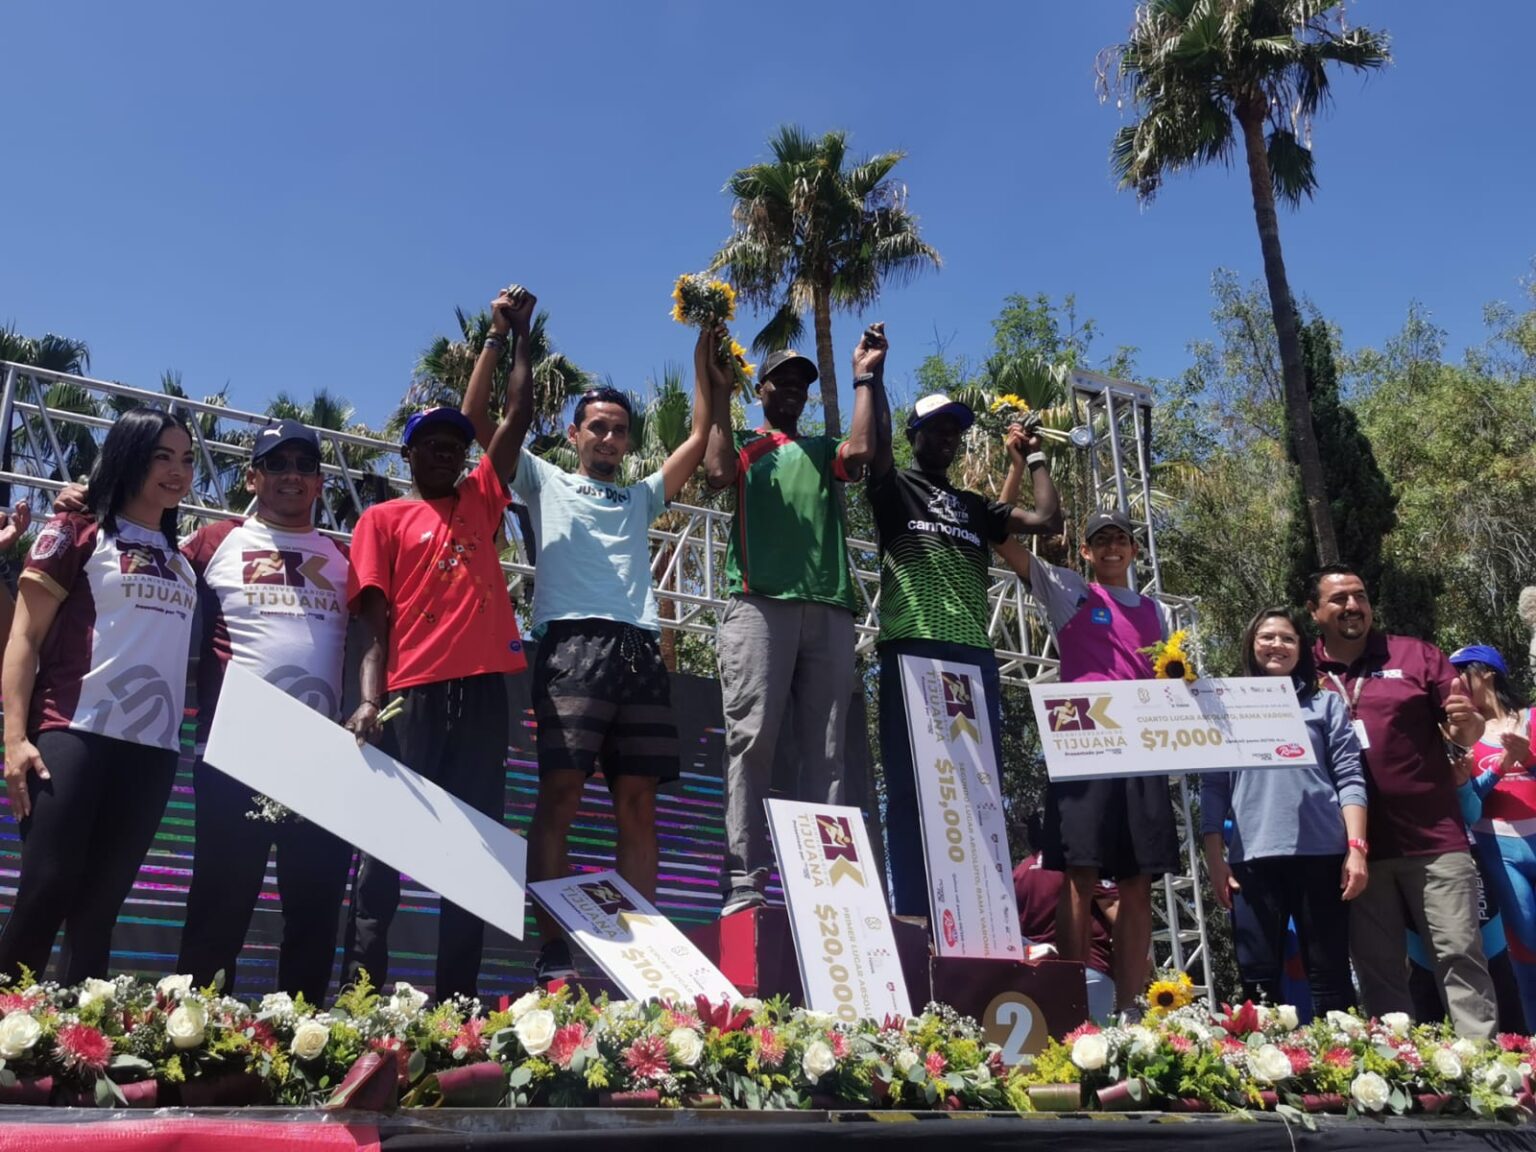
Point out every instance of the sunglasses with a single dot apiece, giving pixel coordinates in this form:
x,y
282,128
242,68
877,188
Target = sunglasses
x,y
276,465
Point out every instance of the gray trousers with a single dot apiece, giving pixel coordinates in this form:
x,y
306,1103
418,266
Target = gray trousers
x,y
775,655
1436,896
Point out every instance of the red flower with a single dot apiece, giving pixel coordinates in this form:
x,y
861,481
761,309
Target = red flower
x,y
567,1042
402,1055
720,1015
647,1058
469,1037
770,1049
1410,1056
262,1033
935,1063
83,1048
892,1023
1301,1063
1339,1058
1180,1043
838,1043
15,1002
1085,1029
1231,1045
1242,1021
1512,1042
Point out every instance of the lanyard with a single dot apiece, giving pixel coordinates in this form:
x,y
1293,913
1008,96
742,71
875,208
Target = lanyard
x,y
1353,699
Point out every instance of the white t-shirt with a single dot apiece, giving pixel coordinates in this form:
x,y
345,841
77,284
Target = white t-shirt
x,y
594,559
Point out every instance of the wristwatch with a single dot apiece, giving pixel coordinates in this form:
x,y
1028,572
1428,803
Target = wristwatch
x,y
1365,848
863,379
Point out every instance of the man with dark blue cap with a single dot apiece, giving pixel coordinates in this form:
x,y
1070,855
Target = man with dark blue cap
x,y
427,581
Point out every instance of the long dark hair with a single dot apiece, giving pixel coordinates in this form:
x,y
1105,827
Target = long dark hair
x,y
124,463
1304,675
1503,692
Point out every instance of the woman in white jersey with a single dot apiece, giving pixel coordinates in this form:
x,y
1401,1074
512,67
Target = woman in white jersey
x,y
94,683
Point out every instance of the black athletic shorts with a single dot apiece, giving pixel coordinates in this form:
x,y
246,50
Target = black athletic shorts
x,y
1122,827
603,698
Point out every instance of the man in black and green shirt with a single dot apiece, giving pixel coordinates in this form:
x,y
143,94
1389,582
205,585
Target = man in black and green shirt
x,y
934,557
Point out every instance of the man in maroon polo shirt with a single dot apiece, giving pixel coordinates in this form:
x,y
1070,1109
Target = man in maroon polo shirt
x,y
1406,701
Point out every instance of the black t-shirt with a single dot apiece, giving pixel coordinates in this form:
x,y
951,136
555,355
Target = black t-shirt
x,y
934,554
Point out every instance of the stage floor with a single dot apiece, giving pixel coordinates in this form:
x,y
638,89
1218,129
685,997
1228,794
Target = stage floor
x,y
484,1129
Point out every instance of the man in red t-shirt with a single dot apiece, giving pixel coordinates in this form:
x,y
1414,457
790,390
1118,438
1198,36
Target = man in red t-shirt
x,y
427,581
1405,700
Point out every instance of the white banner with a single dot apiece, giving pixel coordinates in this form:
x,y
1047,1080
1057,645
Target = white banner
x,y
269,741
1161,727
960,803
638,948
837,911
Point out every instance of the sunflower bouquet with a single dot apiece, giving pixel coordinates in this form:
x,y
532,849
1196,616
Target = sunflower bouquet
x,y
1007,409
704,302
1171,659
1171,991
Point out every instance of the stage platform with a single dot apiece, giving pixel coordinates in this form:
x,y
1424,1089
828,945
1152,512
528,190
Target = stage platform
x,y
572,1129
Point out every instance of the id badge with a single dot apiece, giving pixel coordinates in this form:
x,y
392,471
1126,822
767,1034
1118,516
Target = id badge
x,y
1359,725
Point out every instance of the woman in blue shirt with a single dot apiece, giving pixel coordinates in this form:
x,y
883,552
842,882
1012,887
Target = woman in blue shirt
x,y
1297,849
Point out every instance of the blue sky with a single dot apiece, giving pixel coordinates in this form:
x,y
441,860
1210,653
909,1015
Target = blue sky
x,y
291,195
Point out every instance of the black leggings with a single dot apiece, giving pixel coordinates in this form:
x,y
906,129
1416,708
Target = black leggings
x,y
1276,890
92,822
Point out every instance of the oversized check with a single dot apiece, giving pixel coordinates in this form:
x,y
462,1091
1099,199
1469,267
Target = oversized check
x,y
960,808
638,948
1157,727
837,911
271,742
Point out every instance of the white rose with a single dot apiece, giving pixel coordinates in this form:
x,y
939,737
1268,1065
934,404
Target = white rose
x,y
1143,1040
309,1039
814,1017
1464,1048
1502,1078
1198,1032
983,1075
686,1046
186,1025
174,987
1446,1063
906,1060
1397,1023
525,1004
275,1004
536,1031
1090,1052
818,1060
1348,1024
93,991
1286,1018
1269,1065
1370,1092
750,1004
407,1000
18,1032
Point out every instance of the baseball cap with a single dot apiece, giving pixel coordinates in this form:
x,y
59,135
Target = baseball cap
x,y
434,416
284,432
1102,520
1480,654
777,360
938,404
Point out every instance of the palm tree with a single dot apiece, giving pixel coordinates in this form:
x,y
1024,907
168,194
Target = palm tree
x,y
55,354
332,413
442,374
1202,73
813,232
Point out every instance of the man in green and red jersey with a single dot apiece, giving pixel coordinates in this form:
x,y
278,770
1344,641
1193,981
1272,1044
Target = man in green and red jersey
x,y
786,636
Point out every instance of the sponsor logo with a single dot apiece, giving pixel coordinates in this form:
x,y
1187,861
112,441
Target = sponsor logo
x,y
959,704
951,931
52,540
1101,616
143,560
1080,714
286,569
607,898
947,506
828,850
604,492
1291,751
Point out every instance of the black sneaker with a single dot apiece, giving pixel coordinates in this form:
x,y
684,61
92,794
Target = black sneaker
x,y
554,963
742,897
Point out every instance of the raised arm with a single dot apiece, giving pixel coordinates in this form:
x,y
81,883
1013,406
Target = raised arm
x,y
1024,453
868,378
720,450
373,610
509,318
711,392
36,607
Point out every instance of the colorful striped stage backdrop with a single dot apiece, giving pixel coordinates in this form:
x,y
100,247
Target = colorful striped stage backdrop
x,y
690,824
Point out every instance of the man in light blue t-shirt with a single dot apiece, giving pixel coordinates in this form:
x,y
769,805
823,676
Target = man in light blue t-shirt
x,y
600,689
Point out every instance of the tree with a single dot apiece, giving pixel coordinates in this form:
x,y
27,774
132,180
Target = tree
x,y
1203,74
814,231
54,354
330,412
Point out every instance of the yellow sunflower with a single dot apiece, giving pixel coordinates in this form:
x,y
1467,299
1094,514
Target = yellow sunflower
x,y
1172,993
1009,400
1170,659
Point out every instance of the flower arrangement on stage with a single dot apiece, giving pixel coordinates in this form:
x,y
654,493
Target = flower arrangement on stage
x,y
1171,659
705,302
1187,1058
129,1042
